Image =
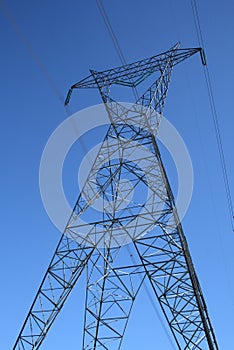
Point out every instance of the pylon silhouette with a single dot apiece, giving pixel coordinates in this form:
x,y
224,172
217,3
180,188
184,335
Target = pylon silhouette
x,y
126,203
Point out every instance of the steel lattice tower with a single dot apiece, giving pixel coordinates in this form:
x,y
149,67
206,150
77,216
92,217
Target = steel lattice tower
x,y
153,229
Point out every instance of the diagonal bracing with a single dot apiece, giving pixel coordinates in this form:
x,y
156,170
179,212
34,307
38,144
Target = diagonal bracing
x,y
129,187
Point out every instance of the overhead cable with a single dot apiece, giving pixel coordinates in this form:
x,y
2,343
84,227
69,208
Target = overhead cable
x,y
114,39
214,115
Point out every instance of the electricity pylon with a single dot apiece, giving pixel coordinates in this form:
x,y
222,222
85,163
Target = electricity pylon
x,y
127,165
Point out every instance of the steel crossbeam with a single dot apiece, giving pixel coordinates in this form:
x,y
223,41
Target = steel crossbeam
x,y
136,210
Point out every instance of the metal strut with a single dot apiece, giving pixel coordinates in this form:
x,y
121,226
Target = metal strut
x,y
138,212
135,73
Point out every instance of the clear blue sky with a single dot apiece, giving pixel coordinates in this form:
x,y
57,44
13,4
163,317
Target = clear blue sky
x,y
68,38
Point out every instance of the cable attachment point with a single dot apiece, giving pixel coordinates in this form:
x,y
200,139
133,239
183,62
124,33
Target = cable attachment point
x,y
203,56
68,97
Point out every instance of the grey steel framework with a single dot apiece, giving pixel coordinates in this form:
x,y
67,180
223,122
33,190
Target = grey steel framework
x,y
136,235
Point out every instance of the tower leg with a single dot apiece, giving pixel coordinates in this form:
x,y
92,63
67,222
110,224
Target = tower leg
x,y
64,270
168,264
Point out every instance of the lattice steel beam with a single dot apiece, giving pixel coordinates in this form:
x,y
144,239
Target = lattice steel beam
x,y
65,268
128,162
135,73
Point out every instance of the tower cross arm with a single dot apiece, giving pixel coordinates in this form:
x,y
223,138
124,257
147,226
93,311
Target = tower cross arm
x,y
134,73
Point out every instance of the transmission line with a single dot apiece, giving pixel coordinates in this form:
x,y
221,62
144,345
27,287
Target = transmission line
x,y
214,115
114,39
42,67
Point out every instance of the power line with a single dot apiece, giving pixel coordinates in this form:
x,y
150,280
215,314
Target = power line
x,y
43,69
31,51
114,39
214,115
111,32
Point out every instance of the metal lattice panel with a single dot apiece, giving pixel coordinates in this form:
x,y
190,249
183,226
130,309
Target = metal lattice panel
x,y
129,187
